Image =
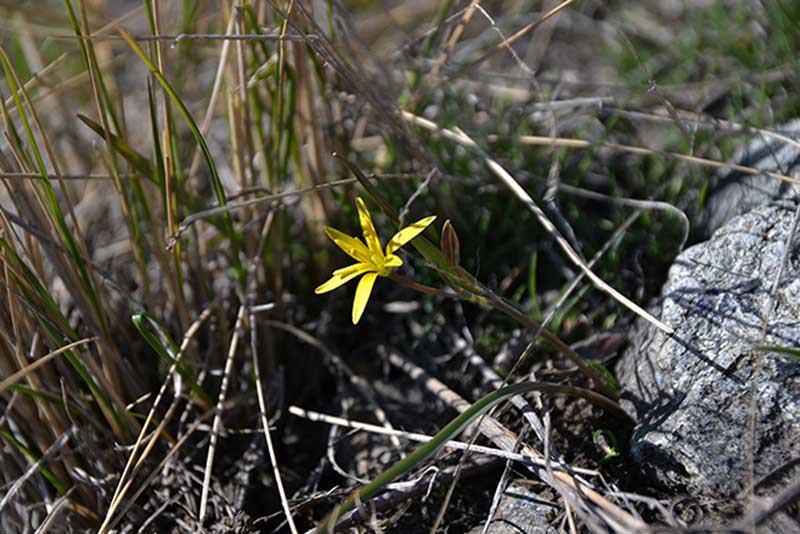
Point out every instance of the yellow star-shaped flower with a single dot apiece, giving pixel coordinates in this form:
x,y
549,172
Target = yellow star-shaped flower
x,y
372,261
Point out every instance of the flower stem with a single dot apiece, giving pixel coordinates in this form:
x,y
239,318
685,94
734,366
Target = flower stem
x,y
400,279
487,297
466,287
587,369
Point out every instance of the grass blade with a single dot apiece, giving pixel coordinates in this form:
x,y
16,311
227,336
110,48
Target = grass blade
x,y
450,431
783,351
216,182
139,162
166,348
34,457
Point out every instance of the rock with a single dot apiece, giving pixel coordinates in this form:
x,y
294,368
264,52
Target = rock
x,y
522,511
735,193
690,392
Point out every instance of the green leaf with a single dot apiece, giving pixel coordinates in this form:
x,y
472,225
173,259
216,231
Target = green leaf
x,y
606,441
536,309
610,379
54,323
50,202
34,457
156,336
450,431
139,162
216,182
784,351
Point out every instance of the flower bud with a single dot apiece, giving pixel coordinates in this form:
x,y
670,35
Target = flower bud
x,y
450,245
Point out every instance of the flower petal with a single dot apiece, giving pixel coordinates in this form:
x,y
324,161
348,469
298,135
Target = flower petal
x,y
408,233
393,261
342,276
345,271
362,295
370,236
352,246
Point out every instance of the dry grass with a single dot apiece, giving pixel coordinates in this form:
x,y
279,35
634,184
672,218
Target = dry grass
x,y
167,174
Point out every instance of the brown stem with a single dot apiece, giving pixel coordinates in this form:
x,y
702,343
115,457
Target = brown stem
x,y
408,282
489,298
554,340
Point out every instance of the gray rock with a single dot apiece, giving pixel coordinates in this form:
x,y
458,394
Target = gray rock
x,y
522,511
735,193
690,392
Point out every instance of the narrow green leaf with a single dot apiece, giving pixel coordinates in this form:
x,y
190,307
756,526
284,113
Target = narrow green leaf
x,y
533,291
216,182
89,56
167,350
55,324
40,296
784,351
606,441
56,400
450,431
59,487
51,200
139,162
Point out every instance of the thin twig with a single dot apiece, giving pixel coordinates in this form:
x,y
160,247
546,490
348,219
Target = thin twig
x,y
360,384
55,510
759,359
565,483
643,151
389,500
469,12
38,176
506,43
416,194
423,438
215,428
170,454
463,139
702,121
130,469
635,203
262,406
498,494
262,398
16,376
177,38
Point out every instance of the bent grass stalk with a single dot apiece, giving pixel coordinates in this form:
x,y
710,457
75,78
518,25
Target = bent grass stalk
x,y
450,431
372,262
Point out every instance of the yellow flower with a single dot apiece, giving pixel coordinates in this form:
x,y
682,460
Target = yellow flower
x,y
372,262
